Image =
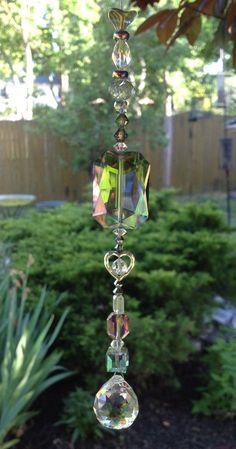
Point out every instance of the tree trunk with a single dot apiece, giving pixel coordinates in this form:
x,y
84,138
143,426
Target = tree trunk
x,y
29,77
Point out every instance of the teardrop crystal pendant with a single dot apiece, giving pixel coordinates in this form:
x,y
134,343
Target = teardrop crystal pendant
x,y
116,404
121,55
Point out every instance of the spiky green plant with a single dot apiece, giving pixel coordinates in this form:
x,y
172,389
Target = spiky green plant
x,y
26,366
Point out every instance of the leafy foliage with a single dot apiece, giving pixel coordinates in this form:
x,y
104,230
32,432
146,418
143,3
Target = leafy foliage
x,y
184,256
78,416
219,394
186,20
26,367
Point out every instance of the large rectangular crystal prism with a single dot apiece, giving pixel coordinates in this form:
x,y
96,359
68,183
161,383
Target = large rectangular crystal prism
x,y
120,189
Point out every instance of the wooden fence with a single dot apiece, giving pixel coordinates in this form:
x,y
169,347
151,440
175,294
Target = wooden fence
x,y
195,159
196,154
40,164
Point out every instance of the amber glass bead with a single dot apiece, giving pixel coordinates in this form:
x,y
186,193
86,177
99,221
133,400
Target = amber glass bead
x,y
121,135
121,35
120,74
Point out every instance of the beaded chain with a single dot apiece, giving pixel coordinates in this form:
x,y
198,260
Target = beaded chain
x,y
120,185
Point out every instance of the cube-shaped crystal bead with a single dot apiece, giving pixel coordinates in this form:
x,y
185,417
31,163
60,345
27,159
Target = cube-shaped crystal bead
x,y
120,189
117,325
117,360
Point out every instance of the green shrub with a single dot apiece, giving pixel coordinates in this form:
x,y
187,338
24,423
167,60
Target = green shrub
x,y
184,255
26,368
219,392
78,416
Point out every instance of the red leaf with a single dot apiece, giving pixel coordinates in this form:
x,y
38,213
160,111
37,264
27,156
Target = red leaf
x,y
231,13
154,19
234,55
231,18
149,22
142,4
206,7
167,25
193,30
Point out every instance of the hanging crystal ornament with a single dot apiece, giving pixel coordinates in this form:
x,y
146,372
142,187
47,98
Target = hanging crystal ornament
x,y
120,190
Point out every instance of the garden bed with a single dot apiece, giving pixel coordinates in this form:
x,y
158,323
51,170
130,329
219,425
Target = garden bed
x,y
160,425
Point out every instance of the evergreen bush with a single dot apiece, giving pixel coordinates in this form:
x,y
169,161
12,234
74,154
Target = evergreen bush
x,y
185,254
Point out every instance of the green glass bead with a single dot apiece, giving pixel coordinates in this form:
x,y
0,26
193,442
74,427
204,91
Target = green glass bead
x,y
122,120
117,360
121,19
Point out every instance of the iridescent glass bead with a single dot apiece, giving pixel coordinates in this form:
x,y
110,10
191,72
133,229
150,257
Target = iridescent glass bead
x,y
121,55
120,189
122,89
117,360
117,325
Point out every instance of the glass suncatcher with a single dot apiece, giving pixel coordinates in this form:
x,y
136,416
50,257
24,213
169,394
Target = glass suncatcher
x,y
120,185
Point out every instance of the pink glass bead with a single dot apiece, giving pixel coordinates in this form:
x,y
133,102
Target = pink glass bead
x,y
117,325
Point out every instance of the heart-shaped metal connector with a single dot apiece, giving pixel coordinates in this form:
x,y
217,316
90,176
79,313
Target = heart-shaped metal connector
x,y
118,267
121,19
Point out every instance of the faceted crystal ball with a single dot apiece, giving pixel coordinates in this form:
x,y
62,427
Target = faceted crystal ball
x,y
121,89
120,189
116,404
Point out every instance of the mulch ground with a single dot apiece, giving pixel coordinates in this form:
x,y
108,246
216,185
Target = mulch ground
x,y
160,425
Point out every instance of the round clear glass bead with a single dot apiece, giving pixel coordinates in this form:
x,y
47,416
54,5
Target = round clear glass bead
x,y
120,146
119,267
121,106
117,344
